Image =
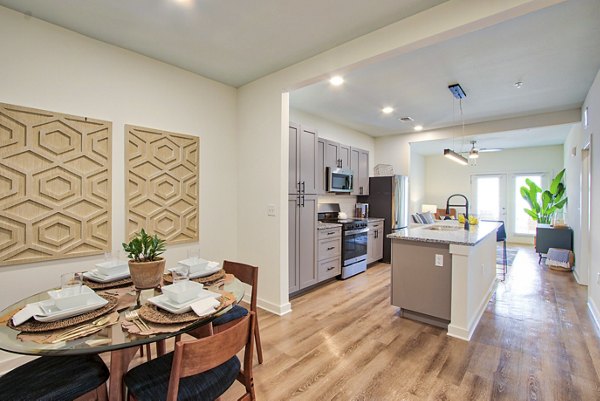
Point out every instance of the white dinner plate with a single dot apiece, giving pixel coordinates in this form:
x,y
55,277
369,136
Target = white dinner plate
x,y
49,312
98,277
163,302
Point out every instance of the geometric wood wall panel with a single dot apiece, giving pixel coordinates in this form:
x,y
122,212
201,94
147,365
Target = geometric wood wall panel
x,y
55,185
162,184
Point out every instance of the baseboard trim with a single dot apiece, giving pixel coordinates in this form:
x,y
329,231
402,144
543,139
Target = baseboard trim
x,y
465,333
279,310
594,311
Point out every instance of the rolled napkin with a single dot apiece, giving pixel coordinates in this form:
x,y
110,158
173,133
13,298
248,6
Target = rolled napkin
x,y
206,306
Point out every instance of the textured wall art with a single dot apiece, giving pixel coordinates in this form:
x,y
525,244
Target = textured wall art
x,y
55,185
162,184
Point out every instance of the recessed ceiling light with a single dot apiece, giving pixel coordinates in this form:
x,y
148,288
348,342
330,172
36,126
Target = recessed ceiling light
x,y
336,80
518,84
387,110
418,128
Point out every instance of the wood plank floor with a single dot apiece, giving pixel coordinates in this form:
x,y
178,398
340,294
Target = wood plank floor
x,y
344,341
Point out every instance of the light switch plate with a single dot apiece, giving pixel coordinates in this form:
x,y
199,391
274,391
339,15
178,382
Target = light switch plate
x,y
439,260
271,210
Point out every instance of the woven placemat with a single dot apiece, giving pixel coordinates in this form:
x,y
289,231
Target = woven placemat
x,y
33,326
94,285
167,278
154,314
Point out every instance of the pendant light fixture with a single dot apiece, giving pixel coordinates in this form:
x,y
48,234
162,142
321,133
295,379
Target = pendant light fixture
x,y
459,94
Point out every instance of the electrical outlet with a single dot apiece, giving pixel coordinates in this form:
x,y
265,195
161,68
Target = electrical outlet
x,y
271,210
439,260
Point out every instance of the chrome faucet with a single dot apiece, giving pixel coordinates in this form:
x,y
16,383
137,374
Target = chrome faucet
x,y
465,205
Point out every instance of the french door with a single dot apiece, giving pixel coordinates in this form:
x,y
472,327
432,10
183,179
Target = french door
x,y
489,196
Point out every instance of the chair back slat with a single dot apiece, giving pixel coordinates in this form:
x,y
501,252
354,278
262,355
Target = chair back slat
x,y
247,274
197,356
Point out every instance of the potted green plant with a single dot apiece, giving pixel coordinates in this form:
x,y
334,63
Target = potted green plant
x,y
544,203
145,264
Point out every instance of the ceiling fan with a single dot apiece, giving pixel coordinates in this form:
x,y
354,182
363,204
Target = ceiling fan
x,y
473,153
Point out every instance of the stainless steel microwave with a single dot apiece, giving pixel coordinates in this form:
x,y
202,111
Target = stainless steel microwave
x,y
339,180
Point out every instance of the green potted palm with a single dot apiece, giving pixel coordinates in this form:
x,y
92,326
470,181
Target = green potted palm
x,y
145,264
544,203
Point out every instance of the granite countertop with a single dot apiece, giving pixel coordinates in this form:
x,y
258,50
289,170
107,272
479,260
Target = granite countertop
x,y
450,232
326,226
369,219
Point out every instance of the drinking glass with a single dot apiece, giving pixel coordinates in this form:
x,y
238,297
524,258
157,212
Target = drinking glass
x,y
194,255
180,273
71,282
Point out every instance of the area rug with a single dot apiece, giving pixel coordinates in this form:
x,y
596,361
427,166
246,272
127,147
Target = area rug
x,y
511,253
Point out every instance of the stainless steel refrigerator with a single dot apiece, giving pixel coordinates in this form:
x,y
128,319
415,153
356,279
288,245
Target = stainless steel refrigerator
x,y
388,198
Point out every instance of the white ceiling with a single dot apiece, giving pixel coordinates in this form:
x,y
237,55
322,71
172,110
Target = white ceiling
x,y
231,41
555,52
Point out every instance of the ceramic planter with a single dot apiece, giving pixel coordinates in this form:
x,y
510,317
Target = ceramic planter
x,y
146,275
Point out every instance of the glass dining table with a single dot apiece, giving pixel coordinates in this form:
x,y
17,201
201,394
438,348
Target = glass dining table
x,y
115,339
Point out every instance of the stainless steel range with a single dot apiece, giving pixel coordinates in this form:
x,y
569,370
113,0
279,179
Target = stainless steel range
x,y
354,239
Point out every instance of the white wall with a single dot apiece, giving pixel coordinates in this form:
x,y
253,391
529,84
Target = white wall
x,y
44,66
416,183
592,103
444,177
572,180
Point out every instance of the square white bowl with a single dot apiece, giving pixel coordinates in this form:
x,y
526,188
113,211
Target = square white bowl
x,y
71,297
182,291
112,267
194,263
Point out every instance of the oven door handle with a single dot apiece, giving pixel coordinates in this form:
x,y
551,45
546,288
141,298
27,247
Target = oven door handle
x,y
353,232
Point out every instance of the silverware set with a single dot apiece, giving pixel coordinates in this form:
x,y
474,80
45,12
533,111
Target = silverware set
x,y
84,330
134,317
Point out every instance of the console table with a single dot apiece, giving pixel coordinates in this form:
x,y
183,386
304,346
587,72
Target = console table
x,y
550,237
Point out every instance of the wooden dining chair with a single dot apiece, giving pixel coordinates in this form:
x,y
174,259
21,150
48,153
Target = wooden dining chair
x,y
200,369
49,378
247,274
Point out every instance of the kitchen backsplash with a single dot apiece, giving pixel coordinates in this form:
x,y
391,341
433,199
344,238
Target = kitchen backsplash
x,y
347,202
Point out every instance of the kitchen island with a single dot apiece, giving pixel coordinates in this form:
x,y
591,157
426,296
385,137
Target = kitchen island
x,y
443,274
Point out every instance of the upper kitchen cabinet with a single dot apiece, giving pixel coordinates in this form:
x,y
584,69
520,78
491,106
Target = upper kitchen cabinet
x,y
337,155
303,159
359,164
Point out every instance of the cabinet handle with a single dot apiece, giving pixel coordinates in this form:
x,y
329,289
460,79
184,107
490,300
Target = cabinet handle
x,y
330,248
331,233
298,200
330,268
303,187
302,200
361,190
298,184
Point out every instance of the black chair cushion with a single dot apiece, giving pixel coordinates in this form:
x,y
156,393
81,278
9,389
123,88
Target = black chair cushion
x,y
54,378
234,313
150,381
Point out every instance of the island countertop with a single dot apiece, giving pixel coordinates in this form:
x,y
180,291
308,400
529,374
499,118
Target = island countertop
x,y
446,232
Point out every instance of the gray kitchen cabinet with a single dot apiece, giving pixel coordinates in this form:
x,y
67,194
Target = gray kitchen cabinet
x,y
320,167
302,245
375,242
359,164
302,161
337,155
329,253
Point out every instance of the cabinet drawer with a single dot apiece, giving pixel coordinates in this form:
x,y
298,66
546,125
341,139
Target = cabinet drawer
x,y
329,248
329,268
330,233
376,225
